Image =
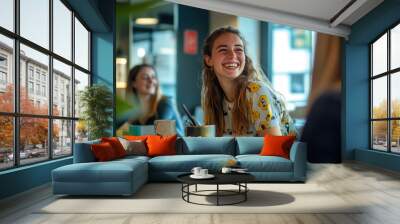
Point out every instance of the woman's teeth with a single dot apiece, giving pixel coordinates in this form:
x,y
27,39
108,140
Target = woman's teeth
x,y
231,65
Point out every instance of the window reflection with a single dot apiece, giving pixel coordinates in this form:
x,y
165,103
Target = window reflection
x,y
379,98
379,56
62,89
81,45
7,14
34,97
379,135
6,142
62,133
6,74
34,21
81,81
62,29
33,140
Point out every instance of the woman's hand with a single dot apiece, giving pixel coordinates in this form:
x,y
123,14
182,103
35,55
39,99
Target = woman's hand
x,y
274,130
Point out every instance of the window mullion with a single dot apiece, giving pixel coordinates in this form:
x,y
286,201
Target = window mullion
x,y
73,82
50,81
16,84
389,113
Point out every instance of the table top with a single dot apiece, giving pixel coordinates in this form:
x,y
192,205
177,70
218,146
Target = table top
x,y
220,178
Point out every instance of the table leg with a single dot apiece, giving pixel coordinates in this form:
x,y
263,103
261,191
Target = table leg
x,y
196,188
217,194
245,193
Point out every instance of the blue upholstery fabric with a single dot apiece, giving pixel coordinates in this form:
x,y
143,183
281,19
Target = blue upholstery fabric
x,y
206,145
125,176
298,154
83,152
249,145
185,163
119,177
257,163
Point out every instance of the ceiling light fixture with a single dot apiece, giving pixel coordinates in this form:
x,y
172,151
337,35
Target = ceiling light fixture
x,y
146,21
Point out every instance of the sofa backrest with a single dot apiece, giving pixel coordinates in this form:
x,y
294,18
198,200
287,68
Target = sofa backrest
x,y
205,145
83,152
249,145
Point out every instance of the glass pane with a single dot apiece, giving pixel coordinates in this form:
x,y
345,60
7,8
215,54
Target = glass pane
x,y
395,136
62,29
395,94
7,14
34,92
395,47
62,89
33,139
379,97
379,135
81,45
62,141
6,142
81,131
35,21
6,74
379,55
81,81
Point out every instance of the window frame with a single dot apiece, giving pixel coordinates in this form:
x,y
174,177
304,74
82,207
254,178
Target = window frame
x,y
388,74
16,115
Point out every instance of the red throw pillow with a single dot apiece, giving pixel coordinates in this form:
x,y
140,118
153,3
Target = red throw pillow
x,y
103,152
116,145
161,145
277,145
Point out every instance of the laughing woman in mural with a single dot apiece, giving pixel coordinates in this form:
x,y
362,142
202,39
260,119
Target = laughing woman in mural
x,y
236,96
144,86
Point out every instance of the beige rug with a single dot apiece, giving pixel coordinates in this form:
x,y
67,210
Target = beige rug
x,y
166,198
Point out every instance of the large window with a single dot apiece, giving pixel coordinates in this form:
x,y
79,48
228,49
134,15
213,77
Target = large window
x,y
44,64
385,92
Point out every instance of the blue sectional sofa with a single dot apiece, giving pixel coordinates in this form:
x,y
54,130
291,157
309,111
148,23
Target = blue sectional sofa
x,y
125,176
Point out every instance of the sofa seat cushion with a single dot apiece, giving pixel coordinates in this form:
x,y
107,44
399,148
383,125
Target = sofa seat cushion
x,y
185,163
112,171
257,163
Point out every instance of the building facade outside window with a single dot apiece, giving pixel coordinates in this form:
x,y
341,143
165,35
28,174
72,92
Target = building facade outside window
x,y
385,92
46,126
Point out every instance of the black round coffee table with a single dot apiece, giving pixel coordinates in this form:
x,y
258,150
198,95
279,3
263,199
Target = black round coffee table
x,y
238,179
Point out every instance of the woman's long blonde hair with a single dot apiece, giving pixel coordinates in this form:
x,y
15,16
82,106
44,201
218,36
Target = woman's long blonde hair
x,y
154,100
213,95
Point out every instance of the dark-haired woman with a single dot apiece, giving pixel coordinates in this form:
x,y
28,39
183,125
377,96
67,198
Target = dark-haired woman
x,y
143,85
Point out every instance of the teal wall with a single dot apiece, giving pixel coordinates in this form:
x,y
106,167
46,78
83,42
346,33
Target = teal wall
x,y
99,16
189,66
24,178
356,85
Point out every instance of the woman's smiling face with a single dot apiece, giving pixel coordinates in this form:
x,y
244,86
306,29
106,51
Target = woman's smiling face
x,y
227,56
146,81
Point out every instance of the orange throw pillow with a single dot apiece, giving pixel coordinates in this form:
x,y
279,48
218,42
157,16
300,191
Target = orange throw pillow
x,y
116,145
103,152
277,146
161,145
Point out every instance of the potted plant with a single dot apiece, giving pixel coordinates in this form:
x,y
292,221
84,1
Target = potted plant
x,y
96,103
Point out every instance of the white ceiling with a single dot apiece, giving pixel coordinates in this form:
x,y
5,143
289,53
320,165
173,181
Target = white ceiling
x,y
316,15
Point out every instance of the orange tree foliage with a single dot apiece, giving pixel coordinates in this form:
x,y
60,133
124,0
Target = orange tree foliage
x,y
33,130
380,127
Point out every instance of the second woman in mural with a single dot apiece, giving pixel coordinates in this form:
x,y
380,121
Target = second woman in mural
x,y
143,85
236,96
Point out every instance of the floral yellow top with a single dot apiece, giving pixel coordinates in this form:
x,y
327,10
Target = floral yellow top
x,y
267,111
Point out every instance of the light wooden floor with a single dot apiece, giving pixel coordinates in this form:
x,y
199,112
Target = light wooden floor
x,y
377,188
